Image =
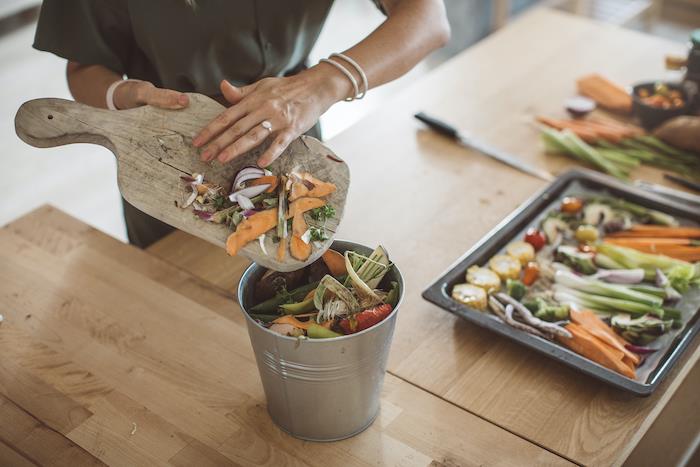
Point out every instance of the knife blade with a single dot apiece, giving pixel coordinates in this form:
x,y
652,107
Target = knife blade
x,y
451,132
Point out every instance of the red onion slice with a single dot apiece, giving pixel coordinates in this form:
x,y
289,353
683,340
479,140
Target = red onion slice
x,y
245,174
204,215
250,192
242,201
638,349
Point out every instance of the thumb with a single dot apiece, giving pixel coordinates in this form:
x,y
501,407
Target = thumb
x,y
232,93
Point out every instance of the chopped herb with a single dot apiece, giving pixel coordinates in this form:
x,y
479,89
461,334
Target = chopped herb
x,y
219,202
318,234
323,213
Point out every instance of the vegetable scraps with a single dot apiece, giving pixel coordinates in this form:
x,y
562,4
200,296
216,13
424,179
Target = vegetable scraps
x,y
590,276
259,202
351,296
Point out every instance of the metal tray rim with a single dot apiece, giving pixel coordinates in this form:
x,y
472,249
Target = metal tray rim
x,y
436,293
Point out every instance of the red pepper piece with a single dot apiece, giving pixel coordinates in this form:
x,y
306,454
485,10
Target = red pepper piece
x,y
365,319
531,273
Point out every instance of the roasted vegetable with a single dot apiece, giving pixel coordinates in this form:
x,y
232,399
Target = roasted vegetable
x,y
642,330
522,251
531,273
505,266
554,228
516,289
316,331
484,278
586,233
470,295
571,205
535,238
547,311
586,344
597,214
577,260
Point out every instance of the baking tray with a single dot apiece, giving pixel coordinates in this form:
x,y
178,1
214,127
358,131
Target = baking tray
x,y
513,226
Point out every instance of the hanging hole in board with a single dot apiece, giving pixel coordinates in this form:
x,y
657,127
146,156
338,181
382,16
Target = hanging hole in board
x,y
50,117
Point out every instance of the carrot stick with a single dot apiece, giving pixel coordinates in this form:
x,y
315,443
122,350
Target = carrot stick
x,y
583,133
641,230
642,241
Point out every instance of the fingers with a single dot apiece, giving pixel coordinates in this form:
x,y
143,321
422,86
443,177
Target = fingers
x,y
231,134
231,93
164,98
276,148
221,122
244,144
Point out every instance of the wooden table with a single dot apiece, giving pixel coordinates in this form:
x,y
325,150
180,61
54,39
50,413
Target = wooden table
x,y
111,354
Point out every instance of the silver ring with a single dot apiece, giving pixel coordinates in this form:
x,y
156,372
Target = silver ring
x,y
267,125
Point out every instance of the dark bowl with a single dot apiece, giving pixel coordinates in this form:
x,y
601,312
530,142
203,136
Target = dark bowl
x,y
649,116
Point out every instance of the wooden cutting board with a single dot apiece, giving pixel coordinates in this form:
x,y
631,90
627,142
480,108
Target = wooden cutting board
x,y
154,149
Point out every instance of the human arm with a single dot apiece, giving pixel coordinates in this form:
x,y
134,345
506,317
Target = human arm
x,y
88,84
293,104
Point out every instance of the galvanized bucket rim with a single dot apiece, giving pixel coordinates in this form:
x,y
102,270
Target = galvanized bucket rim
x,y
328,339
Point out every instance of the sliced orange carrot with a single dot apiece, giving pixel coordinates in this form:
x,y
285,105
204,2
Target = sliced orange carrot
x,y
602,331
586,344
643,230
259,223
335,262
272,180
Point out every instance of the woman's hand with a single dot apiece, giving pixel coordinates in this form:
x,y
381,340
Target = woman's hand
x,y
135,93
291,105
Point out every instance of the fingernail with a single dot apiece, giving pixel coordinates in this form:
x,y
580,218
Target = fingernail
x,y
183,99
197,141
206,155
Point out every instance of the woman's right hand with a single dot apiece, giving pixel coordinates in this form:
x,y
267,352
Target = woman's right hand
x,y
135,93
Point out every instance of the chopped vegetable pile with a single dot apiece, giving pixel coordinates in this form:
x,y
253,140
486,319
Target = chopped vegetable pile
x,y
598,274
662,97
337,295
259,202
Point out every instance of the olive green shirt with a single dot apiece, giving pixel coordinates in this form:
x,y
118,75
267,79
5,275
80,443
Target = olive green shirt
x,y
182,47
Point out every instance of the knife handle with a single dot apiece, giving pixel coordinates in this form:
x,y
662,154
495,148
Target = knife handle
x,y
437,125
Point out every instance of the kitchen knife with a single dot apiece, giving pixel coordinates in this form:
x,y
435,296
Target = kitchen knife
x,y
451,132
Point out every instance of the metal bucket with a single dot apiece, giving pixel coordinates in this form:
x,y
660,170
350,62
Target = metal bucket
x,y
321,389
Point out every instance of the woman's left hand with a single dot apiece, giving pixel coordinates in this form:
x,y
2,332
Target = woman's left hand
x,y
291,105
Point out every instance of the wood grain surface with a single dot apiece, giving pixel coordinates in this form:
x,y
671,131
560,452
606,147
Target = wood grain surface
x,y
113,355
445,198
154,149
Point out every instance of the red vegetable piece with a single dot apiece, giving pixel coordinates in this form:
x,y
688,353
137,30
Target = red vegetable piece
x,y
365,319
535,238
531,273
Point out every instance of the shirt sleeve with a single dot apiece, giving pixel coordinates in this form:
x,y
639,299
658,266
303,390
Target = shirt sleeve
x,y
90,32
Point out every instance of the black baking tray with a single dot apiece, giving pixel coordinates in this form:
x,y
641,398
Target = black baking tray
x,y
513,226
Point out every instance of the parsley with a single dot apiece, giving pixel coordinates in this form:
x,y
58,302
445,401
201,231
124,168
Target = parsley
x,y
323,213
219,202
318,234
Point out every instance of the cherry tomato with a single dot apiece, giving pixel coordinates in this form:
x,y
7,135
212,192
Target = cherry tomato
x,y
571,205
531,273
535,238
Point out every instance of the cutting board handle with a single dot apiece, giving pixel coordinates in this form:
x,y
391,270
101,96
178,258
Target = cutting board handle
x,y
50,122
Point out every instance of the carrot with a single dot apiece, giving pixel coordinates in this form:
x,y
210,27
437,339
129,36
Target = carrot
x,y
290,319
272,180
310,186
642,230
259,223
335,262
585,134
596,326
685,253
586,344
643,241
298,247
631,130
